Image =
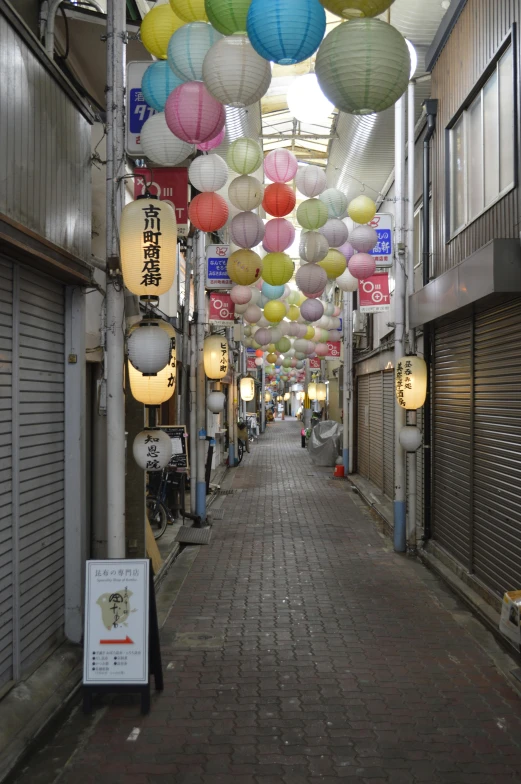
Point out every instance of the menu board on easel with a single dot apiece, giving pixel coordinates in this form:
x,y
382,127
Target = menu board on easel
x,y
179,438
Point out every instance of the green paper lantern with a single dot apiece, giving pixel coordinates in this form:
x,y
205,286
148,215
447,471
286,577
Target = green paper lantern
x,y
312,214
283,345
363,66
244,156
228,16
356,9
277,268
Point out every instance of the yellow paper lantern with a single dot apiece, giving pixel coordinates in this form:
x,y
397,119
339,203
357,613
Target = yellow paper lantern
x,y
321,392
148,245
189,10
267,397
274,311
271,357
411,382
271,348
157,28
247,389
215,357
362,209
293,312
312,391
153,390
356,9
277,268
286,396
244,266
310,333
334,264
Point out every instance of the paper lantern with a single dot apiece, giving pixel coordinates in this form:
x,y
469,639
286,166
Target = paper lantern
x,y
294,298
187,49
228,16
192,114
247,389
208,173
410,438
334,335
252,314
321,349
211,144
234,73
286,31
259,362
277,268
157,83
279,199
346,250
241,295
312,309
149,348
361,265
215,357
272,292
152,390
411,382
310,181
363,238
189,10
335,201
271,358
312,391
283,345
362,209
259,353
335,231
148,244
293,315
306,101
244,156
280,165
334,264
329,309
247,230
311,279
215,402
321,392
364,66
279,235
355,9
262,336
157,27
313,246
274,311
312,214
245,192
159,144
244,267
152,449
208,212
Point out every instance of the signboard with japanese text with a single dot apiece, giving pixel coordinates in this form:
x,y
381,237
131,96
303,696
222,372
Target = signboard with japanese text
x,y
383,250
334,350
138,111
116,622
216,261
314,363
169,184
179,439
221,310
373,293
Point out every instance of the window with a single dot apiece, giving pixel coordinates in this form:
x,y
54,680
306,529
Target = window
x,y
418,245
481,147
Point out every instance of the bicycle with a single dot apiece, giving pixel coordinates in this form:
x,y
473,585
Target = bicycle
x,y
240,451
158,510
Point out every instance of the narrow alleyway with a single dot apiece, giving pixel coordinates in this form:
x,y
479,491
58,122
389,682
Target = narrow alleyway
x,y
301,649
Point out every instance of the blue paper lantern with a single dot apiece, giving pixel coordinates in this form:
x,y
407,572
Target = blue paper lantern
x,y
272,292
158,82
286,31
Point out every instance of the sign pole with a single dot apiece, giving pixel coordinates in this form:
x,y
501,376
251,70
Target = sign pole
x,y
263,399
201,378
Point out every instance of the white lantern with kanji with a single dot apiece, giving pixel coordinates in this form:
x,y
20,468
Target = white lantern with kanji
x,y
411,382
247,388
148,244
152,449
215,356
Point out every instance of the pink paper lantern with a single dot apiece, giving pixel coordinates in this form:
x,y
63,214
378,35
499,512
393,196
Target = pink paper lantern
x,y
346,250
259,284
337,311
316,295
241,295
247,230
279,235
361,266
193,115
312,309
321,349
212,143
280,165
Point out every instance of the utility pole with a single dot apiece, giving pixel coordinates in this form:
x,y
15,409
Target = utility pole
x,y
200,297
348,365
412,457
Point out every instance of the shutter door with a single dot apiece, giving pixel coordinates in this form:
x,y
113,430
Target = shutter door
x,y
376,446
363,427
497,447
388,433
419,475
452,438
6,522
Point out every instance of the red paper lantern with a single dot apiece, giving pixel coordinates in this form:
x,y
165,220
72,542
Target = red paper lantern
x,y
279,199
259,353
208,212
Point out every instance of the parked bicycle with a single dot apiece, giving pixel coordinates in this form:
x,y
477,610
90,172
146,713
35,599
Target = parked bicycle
x,y
158,503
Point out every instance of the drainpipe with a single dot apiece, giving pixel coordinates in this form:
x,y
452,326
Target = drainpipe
x,y
412,457
201,378
430,107
263,401
348,380
192,397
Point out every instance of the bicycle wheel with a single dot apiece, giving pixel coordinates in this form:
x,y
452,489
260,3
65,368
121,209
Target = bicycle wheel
x,y
240,452
157,517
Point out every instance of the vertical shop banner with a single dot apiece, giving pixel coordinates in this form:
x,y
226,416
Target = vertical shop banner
x,y
383,250
334,350
314,364
138,110
373,293
250,360
216,261
221,310
169,184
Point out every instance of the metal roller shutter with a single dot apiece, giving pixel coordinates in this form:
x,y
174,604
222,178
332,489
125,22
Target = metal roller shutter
x,y
497,447
363,427
419,475
6,520
388,433
376,444
452,450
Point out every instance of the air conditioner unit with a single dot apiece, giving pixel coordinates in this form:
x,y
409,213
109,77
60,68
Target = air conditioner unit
x,y
359,323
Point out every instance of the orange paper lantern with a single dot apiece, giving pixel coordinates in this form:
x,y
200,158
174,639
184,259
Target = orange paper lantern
x,y
208,212
279,199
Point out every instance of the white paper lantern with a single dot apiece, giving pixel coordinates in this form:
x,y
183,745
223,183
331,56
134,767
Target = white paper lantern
x,y
159,144
247,389
240,295
410,378
246,192
336,232
234,73
347,282
259,361
262,336
152,449
240,309
215,402
310,181
208,173
335,201
252,314
313,246
311,279
363,238
148,348
410,438
188,47
247,230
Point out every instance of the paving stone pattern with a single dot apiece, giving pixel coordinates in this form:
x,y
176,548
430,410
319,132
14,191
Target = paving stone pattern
x,y
302,650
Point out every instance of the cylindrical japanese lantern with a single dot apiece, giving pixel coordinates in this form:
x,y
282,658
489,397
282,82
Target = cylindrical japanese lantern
x,y
157,27
279,235
277,268
362,209
346,250
262,336
286,32
312,309
192,114
334,264
157,83
244,267
313,246
335,231
312,391
247,389
241,295
363,238
215,357
208,173
361,265
190,10
215,402
152,390
363,67
148,240
245,192
159,144
321,392
148,348
312,214
335,201
310,181
228,16
272,292
274,311
356,9
279,199
211,144
187,49
410,377
311,279
208,212
234,73
247,230
280,165
152,449
244,156
252,314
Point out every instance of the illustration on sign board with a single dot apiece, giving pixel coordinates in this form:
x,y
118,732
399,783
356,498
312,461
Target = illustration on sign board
x,y
115,608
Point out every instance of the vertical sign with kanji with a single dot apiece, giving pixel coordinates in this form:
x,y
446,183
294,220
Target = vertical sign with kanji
x,y
216,262
152,233
373,293
221,310
138,111
383,250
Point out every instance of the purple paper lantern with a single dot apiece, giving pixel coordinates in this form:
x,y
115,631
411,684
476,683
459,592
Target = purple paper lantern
x,y
312,309
363,238
247,230
193,115
211,144
347,250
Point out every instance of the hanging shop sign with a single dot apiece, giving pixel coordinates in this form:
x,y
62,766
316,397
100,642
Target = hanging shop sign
x,y
221,311
383,250
314,363
250,364
374,294
334,350
179,439
169,184
138,111
216,262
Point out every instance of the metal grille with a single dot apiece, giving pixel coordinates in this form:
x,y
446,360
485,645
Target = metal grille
x,y
388,433
6,520
363,427
376,445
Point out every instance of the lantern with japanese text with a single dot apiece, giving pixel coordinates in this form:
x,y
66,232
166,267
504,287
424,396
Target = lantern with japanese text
x,y
411,382
153,390
247,389
215,357
152,449
148,240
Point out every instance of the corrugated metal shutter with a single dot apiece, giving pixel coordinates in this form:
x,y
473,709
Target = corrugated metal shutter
x,y
452,438
388,433
419,475
6,521
376,445
363,427
497,447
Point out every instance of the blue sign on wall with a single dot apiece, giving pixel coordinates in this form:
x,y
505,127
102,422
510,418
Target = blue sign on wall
x,y
216,260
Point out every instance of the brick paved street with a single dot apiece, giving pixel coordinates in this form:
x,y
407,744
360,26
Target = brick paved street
x,y
302,650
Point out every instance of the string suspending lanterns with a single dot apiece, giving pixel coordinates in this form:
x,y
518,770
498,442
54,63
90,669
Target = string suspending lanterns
x,y
247,230
279,199
244,267
244,156
363,238
157,27
335,202
286,31
355,9
310,181
192,114
279,235
228,16
208,212
234,73
362,209
148,269
189,10
313,246
157,83
245,192
277,268
312,214
208,173
361,266
335,231
280,165
306,101
187,49
334,263
160,145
